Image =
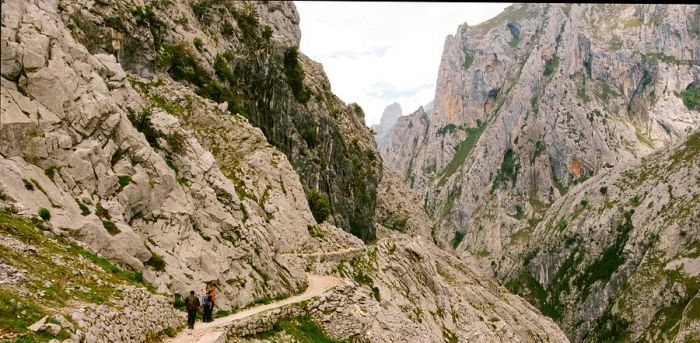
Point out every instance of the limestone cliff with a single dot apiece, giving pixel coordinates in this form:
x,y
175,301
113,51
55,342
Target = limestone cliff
x,y
618,256
385,128
190,142
536,100
545,97
244,54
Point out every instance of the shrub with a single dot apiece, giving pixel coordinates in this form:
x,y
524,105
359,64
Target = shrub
x,y
142,123
170,331
179,302
604,190
176,142
101,211
84,210
44,214
468,60
295,74
124,180
551,65
28,184
50,172
459,236
156,261
319,204
111,227
691,96
198,44
267,32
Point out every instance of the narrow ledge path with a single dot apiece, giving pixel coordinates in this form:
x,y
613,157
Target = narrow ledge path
x,y
215,331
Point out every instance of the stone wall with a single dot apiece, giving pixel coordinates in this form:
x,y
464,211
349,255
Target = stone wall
x,y
137,315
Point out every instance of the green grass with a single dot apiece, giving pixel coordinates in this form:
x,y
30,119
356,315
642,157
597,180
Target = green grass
x,y
463,150
95,281
302,329
166,105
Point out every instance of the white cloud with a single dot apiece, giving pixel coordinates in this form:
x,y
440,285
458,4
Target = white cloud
x,y
378,53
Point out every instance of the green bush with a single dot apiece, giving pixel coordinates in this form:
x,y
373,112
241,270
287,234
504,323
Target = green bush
x,y
691,96
182,64
44,214
459,236
50,172
101,211
551,65
319,204
28,184
198,44
124,180
156,261
142,123
468,60
111,227
294,73
267,32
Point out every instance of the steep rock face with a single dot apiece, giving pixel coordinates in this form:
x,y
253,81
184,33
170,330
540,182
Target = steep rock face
x,y
386,125
157,200
245,54
400,208
408,288
618,257
536,100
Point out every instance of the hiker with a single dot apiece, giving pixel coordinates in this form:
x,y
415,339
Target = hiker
x,y
208,301
192,306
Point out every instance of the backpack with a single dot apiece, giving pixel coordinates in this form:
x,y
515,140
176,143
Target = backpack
x,y
206,300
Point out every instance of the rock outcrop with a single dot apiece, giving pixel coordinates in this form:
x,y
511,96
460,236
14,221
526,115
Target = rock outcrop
x,y
245,54
618,256
538,100
143,171
385,128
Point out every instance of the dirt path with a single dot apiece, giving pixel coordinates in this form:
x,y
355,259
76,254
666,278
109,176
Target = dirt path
x,y
332,253
214,331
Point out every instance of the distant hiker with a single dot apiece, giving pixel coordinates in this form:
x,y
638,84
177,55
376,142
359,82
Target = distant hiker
x,y
208,302
192,306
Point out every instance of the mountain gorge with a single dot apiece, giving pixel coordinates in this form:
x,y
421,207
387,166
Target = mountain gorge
x,y
538,112
150,148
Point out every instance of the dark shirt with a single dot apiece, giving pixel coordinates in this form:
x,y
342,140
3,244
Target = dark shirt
x,y
191,303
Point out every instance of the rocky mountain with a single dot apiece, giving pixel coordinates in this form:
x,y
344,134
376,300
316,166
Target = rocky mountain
x,y
618,257
148,148
557,96
386,124
244,54
536,101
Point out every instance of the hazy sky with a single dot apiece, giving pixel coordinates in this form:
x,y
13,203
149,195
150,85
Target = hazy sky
x,y
379,53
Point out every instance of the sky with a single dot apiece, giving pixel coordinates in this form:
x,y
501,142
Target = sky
x,y
378,53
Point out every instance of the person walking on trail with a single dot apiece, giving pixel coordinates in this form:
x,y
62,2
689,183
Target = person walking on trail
x,y
208,302
192,306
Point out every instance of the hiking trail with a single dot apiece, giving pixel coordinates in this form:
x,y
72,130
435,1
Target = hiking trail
x,y
215,331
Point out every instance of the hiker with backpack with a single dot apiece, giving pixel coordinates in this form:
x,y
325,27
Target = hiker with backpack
x,y
192,306
208,302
